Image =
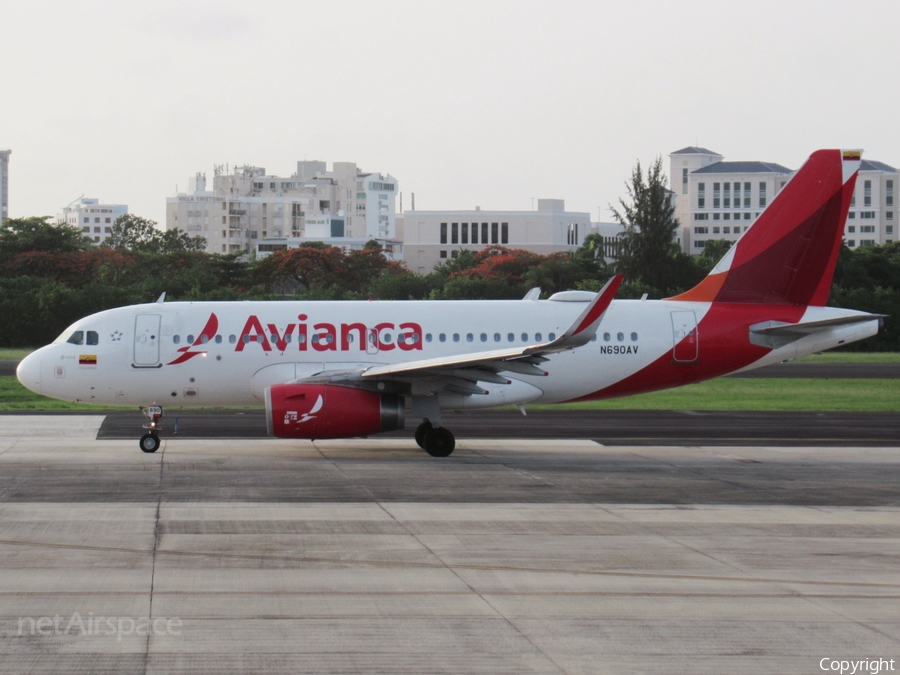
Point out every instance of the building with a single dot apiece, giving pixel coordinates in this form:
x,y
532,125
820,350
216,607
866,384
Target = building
x,y
715,199
93,218
431,237
246,205
4,184
872,218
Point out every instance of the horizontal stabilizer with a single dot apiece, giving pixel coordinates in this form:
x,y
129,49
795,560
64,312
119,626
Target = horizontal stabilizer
x,y
777,333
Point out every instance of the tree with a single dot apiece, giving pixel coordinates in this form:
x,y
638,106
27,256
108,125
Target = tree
x,y
21,235
141,235
649,252
713,252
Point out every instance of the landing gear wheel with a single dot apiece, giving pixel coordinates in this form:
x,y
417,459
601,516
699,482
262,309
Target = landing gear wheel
x,y
149,442
439,442
422,429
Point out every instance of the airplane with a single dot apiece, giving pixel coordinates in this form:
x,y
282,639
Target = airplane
x,y
340,369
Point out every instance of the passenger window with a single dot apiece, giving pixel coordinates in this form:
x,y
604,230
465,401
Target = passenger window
x,y
218,339
511,337
350,338
176,339
537,337
204,339
190,339
247,339
484,337
620,337
606,337
386,339
427,337
232,339
634,337
552,336
76,338
442,337
456,337
496,337
287,338
524,337
92,337
469,337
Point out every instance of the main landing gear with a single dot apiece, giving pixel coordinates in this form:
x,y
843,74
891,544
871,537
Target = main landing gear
x,y
436,441
150,441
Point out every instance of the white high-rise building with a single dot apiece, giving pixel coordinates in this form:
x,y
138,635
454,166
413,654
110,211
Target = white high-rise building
x,y
93,218
246,205
873,207
4,184
715,199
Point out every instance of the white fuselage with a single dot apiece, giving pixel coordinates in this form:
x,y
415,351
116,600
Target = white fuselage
x,y
176,354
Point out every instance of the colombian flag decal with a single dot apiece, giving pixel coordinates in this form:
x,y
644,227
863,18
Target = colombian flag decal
x,y
87,360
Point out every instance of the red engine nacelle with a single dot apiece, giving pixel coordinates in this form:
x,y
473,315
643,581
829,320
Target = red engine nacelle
x,y
330,411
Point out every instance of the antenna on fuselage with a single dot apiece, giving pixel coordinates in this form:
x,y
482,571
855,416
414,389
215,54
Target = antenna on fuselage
x,y
161,299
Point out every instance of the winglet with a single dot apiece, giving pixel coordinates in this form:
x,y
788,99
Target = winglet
x,y
584,327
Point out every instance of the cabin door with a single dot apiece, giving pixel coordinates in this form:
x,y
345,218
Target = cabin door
x,y
146,340
686,347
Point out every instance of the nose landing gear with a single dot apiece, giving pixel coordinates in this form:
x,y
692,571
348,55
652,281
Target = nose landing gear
x,y
150,441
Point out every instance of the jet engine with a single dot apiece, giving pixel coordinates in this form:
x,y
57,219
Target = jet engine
x,y
330,411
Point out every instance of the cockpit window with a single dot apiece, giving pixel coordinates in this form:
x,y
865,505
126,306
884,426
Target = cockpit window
x,y
93,338
76,338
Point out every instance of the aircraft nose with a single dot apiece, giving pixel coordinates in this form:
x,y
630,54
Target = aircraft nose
x,y
29,373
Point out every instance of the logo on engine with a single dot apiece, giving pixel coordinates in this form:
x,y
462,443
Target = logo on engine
x,y
291,416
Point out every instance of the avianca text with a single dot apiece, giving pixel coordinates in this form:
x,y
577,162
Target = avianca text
x,y
329,337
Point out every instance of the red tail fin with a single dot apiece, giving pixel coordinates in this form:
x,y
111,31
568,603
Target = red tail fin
x,y
788,255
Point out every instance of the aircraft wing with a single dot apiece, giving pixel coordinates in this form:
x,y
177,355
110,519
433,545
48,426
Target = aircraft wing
x,y
579,333
460,372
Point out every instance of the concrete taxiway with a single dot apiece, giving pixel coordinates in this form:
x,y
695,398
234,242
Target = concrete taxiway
x,y
510,556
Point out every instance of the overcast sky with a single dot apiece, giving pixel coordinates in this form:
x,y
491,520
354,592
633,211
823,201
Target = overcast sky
x,y
470,102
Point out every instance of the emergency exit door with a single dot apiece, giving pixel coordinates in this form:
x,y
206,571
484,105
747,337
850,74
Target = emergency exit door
x,y
146,340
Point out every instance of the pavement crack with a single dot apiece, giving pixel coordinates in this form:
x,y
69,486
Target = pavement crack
x,y
162,463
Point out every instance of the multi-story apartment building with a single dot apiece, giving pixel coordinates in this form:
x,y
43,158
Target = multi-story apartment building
x,y
873,206
4,184
715,199
95,219
431,237
246,205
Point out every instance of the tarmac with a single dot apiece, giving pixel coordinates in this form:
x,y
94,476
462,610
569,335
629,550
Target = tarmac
x,y
511,556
